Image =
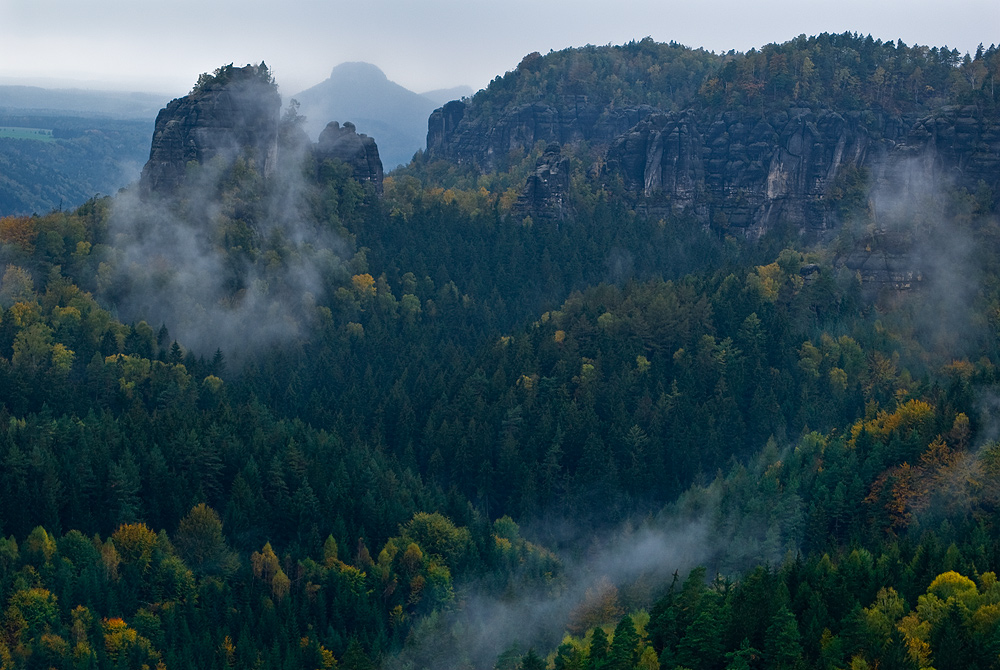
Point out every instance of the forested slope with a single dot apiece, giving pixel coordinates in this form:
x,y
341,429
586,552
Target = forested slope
x,y
80,158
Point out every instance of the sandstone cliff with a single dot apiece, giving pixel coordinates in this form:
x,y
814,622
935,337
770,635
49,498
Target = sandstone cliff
x,y
234,113
738,171
749,174
958,146
457,132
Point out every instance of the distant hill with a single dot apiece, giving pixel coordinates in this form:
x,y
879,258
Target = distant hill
x,y
361,93
63,101
80,158
94,142
751,142
443,95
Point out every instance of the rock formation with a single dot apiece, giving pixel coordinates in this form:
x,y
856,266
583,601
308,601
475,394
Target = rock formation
x,y
545,194
455,134
958,146
738,171
749,174
343,143
234,113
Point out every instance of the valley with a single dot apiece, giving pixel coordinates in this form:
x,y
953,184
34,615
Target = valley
x,y
650,358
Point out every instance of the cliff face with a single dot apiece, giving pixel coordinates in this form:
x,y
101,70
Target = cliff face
x,y
749,174
235,113
957,145
358,151
740,172
456,132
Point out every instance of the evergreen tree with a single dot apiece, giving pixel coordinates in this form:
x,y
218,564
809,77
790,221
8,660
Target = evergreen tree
x,y
701,647
623,654
532,661
599,648
743,658
782,645
124,485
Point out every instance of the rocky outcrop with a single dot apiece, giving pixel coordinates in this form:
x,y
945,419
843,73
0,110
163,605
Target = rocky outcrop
x,y
235,113
736,171
749,174
343,143
458,132
545,194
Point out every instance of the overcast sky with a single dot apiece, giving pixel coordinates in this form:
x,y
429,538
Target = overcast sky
x,y
162,45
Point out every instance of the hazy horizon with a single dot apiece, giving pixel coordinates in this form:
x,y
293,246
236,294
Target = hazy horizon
x,y
439,44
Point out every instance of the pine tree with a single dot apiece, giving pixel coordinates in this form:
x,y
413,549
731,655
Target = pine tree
x,y
701,646
743,658
782,644
355,657
598,649
532,661
124,485
623,646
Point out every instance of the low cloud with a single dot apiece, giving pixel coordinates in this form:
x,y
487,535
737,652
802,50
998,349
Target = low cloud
x,y
604,571
234,261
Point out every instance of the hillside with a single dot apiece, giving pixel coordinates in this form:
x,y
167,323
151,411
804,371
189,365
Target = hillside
x,y
81,102
81,158
99,141
520,408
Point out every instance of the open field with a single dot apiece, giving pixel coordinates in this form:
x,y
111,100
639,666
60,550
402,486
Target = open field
x,y
41,134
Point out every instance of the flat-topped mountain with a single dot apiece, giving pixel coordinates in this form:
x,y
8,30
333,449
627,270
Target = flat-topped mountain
x,y
361,93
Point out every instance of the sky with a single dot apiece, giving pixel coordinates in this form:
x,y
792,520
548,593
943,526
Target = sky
x,y
163,45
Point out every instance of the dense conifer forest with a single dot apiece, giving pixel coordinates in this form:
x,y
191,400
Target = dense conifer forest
x,y
476,440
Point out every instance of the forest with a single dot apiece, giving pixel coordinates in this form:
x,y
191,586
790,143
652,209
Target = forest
x,y
84,158
436,433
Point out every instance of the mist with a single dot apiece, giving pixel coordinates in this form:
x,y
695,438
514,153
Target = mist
x,y
625,567
485,624
919,253
232,261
